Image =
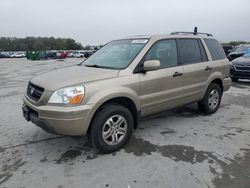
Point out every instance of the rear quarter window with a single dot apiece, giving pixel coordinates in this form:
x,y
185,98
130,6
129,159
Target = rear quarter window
x,y
215,49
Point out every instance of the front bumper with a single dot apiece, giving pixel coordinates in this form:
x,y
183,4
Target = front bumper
x,y
70,120
239,74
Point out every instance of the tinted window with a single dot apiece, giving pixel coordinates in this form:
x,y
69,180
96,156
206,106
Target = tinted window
x,y
165,51
215,49
191,51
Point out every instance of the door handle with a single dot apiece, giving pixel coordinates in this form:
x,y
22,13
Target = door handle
x,y
177,74
208,68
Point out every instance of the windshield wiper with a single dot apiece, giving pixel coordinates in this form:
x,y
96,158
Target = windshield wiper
x,y
95,66
99,66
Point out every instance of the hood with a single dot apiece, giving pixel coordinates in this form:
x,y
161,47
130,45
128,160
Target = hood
x,y
72,76
241,61
236,53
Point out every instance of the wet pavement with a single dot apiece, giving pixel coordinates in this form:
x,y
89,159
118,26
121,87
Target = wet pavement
x,y
177,148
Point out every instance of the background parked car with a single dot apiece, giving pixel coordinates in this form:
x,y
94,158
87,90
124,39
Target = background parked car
x,y
18,55
7,54
51,54
228,49
2,55
78,54
61,54
70,54
240,51
240,68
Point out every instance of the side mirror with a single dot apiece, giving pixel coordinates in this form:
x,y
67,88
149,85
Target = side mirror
x,y
151,65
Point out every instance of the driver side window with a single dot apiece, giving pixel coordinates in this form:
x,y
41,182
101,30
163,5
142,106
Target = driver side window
x,y
165,51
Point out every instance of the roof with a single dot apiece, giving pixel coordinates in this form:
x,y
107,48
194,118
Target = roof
x,y
173,35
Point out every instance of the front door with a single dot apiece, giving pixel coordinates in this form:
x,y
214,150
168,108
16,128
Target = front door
x,y
161,89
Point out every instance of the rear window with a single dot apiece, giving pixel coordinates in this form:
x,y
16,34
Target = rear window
x,y
191,51
215,49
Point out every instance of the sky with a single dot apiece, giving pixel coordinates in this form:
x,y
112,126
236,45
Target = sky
x,y
99,21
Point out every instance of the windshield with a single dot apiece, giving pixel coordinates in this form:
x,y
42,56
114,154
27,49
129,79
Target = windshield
x,y
116,54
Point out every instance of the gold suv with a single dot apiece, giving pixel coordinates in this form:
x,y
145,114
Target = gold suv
x,y
106,95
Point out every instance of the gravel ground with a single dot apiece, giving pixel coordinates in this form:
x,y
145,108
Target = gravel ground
x,y
177,148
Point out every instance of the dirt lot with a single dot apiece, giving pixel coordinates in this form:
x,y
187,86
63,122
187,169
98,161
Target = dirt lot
x,y
177,148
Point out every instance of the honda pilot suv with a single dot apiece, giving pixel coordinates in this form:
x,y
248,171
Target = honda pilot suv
x,y
106,95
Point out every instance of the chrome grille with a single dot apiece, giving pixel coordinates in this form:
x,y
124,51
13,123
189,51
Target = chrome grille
x,y
242,68
34,92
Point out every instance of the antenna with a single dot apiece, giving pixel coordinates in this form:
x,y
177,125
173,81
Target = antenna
x,y
195,30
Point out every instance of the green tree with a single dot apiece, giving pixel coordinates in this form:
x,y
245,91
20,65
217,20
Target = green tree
x,y
38,43
236,43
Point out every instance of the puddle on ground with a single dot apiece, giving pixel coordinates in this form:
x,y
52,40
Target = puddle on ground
x,y
232,172
138,147
85,152
235,174
68,155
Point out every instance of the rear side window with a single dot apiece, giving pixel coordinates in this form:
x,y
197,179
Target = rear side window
x,y
215,49
165,51
191,51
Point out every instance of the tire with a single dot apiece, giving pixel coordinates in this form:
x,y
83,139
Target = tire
x,y
214,93
102,124
234,79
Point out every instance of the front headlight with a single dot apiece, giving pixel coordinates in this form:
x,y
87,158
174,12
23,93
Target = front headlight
x,y
70,95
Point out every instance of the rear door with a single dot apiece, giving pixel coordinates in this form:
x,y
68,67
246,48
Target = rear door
x,y
161,89
196,68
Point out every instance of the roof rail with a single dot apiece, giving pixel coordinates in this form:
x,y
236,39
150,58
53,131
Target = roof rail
x,y
192,33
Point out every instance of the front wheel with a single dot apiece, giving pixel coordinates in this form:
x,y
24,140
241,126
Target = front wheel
x,y
111,128
211,101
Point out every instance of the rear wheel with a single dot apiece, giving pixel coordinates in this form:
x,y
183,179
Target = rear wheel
x,y
211,101
111,128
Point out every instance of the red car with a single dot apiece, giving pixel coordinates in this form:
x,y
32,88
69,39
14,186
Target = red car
x,y
61,54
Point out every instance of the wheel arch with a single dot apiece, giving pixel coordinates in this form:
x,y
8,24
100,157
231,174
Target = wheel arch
x,y
217,78
219,82
120,100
